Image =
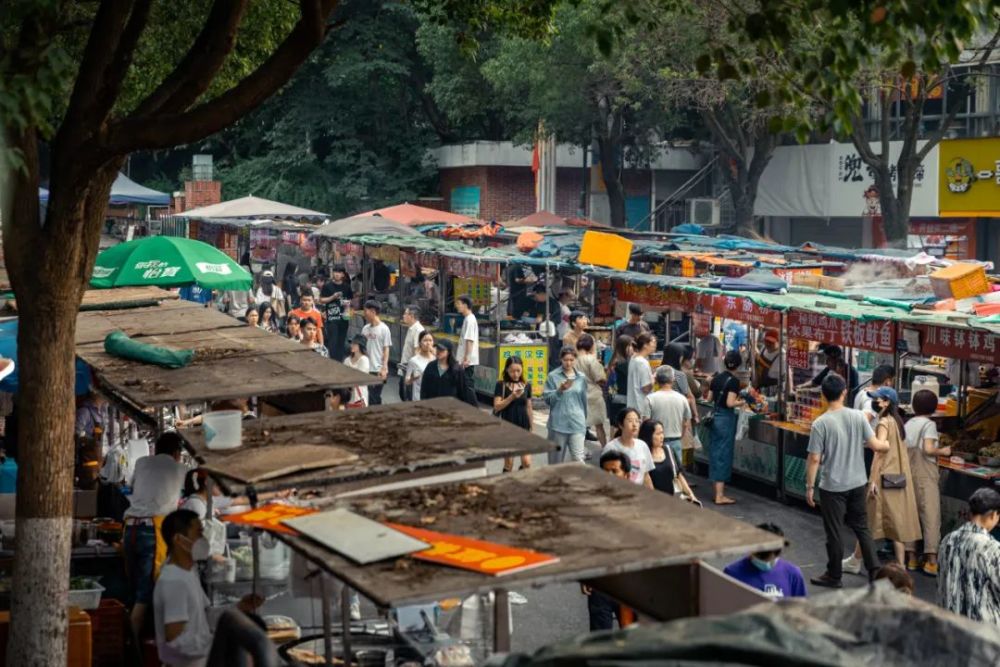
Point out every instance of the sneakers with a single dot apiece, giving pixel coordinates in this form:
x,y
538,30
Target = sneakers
x,y
912,563
355,611
826,581
516,598
930,569
851,565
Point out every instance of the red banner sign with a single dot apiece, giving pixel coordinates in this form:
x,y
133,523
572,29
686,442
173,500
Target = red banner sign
x,y
873,335
736,308
473,268
961,344
649,295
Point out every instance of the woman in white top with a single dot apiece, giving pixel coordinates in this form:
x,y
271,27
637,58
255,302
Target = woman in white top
x,y
418,362
196,495
358,360
627,442
640,374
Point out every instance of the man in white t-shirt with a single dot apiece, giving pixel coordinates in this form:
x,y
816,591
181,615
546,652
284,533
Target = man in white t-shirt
x,y
882,376
411,320
183,634
467,353
640,374
156,489
670,408
379,340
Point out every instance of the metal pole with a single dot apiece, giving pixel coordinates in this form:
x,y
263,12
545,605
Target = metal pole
x,y
501,622
324,592
345,623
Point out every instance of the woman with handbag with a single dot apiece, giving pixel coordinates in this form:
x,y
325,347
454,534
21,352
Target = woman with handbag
x,y
725,396
892,504
923,448
666,475
512,403
358,360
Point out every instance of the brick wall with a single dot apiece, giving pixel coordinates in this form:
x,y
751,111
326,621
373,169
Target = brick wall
x,y
508,193
201,193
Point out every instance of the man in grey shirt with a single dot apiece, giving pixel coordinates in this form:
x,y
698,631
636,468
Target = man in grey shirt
x,y
837,440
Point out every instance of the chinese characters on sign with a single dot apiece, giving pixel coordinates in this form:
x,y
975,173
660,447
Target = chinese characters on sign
x,y
649,295
472,268
852,169
536,364
156,268
960,344
872,335
798,353
736,308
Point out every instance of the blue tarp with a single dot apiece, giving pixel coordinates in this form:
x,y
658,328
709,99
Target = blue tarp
x,y
125,191
8,350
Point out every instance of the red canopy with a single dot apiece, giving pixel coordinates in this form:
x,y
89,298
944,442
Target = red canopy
x,y
546,219
411,214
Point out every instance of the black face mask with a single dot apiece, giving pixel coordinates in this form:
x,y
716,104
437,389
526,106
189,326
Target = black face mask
x,y
268,281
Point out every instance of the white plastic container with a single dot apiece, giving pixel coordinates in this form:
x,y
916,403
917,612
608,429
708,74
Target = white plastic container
x,y
87,598
925,382
223,429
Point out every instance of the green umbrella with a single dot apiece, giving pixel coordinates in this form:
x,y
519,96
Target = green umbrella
x,y
168,261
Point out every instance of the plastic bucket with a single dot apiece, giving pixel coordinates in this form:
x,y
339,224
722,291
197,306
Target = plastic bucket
x,y
223,429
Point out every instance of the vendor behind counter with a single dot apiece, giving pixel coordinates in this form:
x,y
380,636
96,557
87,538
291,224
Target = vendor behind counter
x,y
835,363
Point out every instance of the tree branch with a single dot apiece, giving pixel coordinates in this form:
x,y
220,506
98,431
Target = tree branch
x,y
195,72
719,133
103,70
153,132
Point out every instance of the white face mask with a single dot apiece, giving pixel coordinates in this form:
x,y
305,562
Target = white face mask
x,y
199,548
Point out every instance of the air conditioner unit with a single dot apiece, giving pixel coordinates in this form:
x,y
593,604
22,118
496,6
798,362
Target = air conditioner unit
x,y
704,212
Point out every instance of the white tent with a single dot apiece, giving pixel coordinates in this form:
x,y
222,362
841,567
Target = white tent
x,y
251,207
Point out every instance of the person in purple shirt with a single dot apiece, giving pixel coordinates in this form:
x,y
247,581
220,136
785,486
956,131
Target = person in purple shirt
x,y
768,573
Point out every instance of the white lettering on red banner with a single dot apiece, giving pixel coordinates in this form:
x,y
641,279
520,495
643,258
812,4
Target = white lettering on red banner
x,y
961,344
874,335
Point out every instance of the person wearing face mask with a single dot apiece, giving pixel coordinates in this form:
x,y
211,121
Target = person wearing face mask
x,y
183,632
268,292
768,572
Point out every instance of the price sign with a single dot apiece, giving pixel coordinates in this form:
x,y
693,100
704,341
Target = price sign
x,y
798,353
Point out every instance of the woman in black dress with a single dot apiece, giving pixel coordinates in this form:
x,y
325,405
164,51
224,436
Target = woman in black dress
x,y
445,377
667,475
512,403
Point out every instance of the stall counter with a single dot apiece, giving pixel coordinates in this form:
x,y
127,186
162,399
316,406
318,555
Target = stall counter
x,y
756,457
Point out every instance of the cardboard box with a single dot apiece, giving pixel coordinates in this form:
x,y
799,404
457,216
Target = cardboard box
x,y
959,281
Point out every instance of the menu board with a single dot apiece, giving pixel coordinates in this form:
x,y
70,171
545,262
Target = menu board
x,y
798,353
536,364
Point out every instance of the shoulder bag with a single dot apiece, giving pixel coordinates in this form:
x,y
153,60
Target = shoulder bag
x,y
897,480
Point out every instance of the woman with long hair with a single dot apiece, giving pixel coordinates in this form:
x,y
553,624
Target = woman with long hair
x,y
725,396
640,373
512,403
892,503
618,374
923,447
266,319
597,379
445,377
358,360
627,441
566,395
681,358
252,318
290,286
667,475
417,364
293,328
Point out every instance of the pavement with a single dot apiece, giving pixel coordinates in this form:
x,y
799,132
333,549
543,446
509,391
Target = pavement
x,y
558,612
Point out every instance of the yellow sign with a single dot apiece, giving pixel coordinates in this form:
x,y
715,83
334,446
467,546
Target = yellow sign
x,y
536,364
970,178
477,289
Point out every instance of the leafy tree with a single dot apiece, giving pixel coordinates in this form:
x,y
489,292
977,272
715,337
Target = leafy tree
x,y
100,80
576,85
872,53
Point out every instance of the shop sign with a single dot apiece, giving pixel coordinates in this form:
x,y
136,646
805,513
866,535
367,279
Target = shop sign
x,y
263,246
655,296
962,344
736,308
798,353
873,335
969,182
535,359
385,253
472,268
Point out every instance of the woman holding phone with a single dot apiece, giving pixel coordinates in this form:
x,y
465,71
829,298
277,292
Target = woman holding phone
x,y
566,395
512,403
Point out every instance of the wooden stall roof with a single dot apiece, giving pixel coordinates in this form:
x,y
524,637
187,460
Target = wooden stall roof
x,y
596,524
229,363
125,297
169,317
323,448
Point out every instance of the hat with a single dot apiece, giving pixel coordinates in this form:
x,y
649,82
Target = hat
x,y
267,274
771,335
360,341
886,393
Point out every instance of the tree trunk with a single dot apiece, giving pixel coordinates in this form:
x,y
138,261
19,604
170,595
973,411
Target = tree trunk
x,y
608,149
746,224
48,265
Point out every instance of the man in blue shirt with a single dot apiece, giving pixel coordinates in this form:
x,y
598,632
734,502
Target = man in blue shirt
x,y
768,573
